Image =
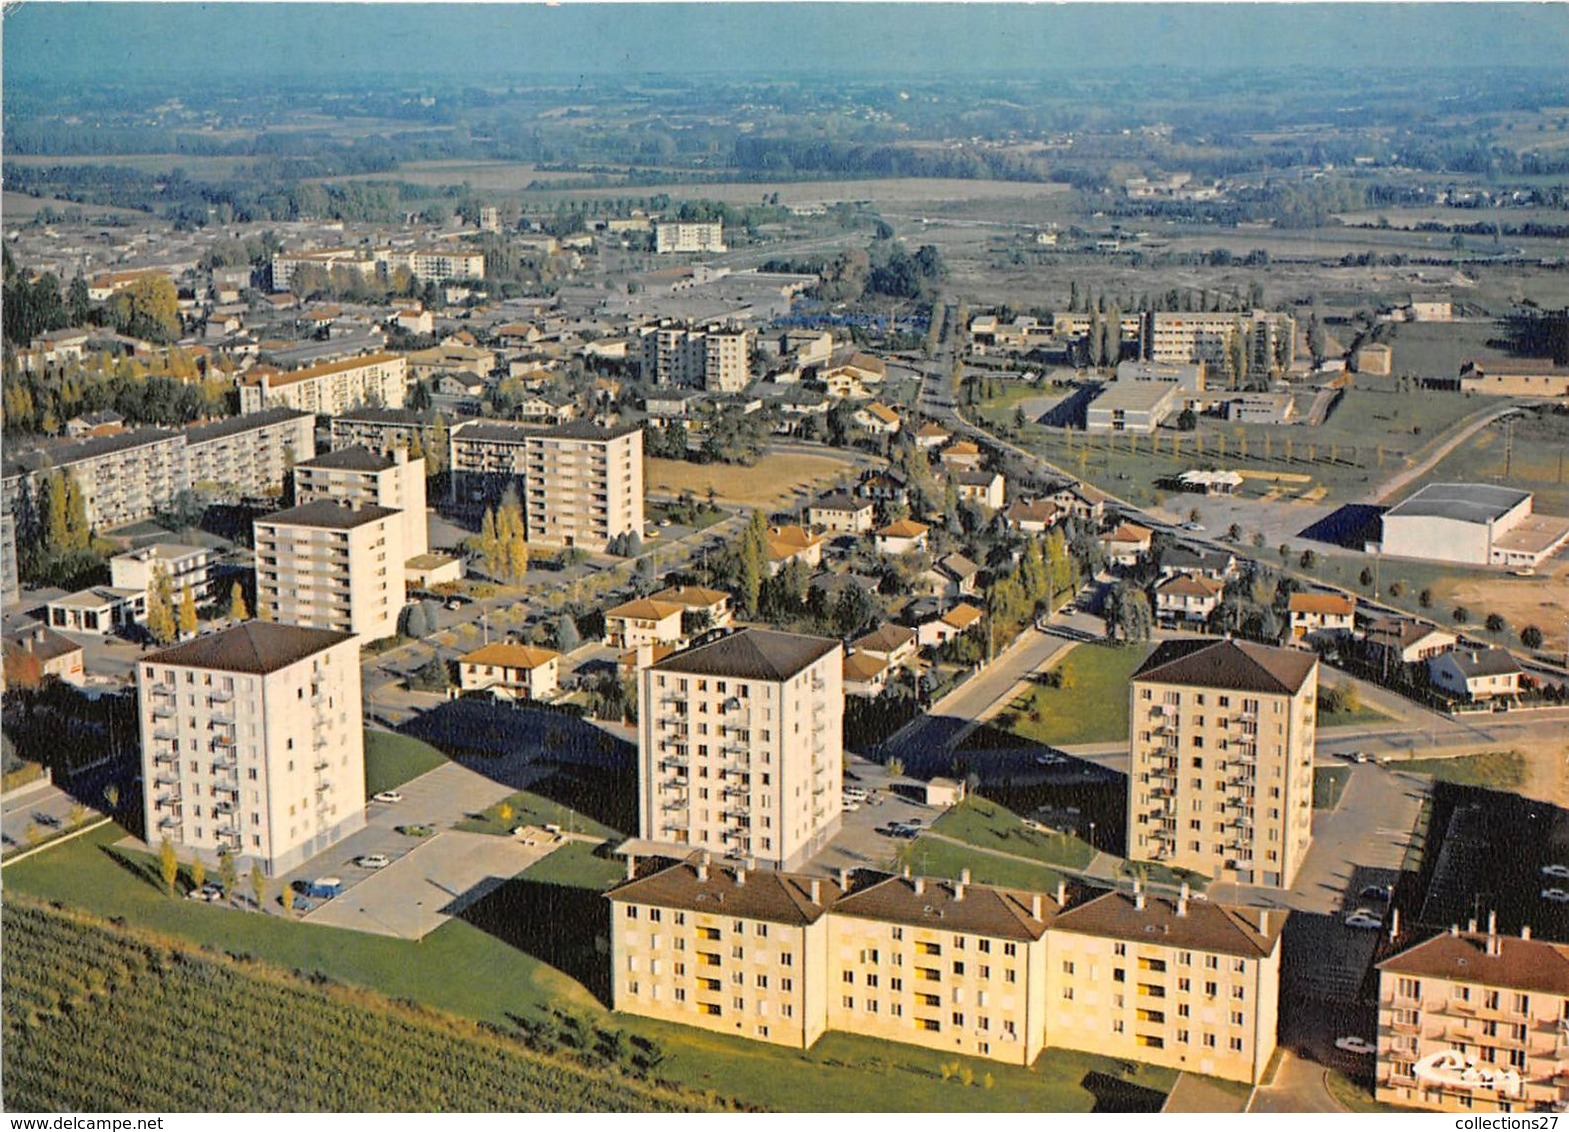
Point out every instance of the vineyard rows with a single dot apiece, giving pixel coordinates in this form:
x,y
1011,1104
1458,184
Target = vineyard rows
x,y
98,1018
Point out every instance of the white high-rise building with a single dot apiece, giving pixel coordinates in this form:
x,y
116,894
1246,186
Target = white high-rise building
x,y
331,565
252,743
358,475
741,749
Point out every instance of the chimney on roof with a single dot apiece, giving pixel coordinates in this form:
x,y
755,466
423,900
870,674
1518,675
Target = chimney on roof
x,y
1494,944
1182,900
1394,924
1062,892
920,885
1525,931
964,876
907,872
817,891
1035,906
1454,930
631,867
702,867
740,876
1470,925
844,878
958,891
1138,896
400,455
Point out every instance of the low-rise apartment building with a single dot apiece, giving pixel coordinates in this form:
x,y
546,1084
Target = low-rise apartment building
x,y
680,236
186,567
386,430
1320,617
248,455
1221,776
358,475
510,671
252,743
741,748
330,388
1475,1021
122,478
644,621
968,969
330,565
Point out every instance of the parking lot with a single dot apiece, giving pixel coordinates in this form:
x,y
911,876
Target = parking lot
x,y
436,879
858,845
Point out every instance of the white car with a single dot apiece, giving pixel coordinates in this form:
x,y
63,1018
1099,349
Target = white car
x,y
388,796
1557,872
373,861
1556,895
1364,918
1355,1045
849,805
1193,526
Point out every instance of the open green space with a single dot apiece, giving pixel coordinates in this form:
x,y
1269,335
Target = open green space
x,y
987,825
1496,770
1061,716
932,857
1527,453
1151,872
1329,783
528,808
81,993
576,864
1372,433
1344,716
470,972
392,759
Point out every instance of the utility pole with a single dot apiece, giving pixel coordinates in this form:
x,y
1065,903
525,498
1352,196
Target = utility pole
x,y
1509,446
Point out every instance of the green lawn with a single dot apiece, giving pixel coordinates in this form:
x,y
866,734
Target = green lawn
x,y
1152,873
1091,705
987,825
1354,1096
392,759
931,857
474,974
575,865
1359,714
1495,770
527,808
1329,783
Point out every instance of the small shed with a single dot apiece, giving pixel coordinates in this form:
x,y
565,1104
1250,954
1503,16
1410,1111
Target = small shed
x,y
944,792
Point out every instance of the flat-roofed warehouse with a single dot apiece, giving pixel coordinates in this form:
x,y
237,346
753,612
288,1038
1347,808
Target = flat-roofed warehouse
x,y
1477,524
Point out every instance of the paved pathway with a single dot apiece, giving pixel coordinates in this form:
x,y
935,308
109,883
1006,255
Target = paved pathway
x,y
1298,1087
1193,1093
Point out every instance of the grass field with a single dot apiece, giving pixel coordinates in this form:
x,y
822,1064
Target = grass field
x,y
1496,770
477,974
987,825
392,759
1533,450
22,207
1091,674
773,479
930,857
1329,783
527,808
1343,718
576,865
99,1017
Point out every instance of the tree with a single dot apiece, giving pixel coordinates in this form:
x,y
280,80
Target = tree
x,y
160,607
228,872
1461,615
1531,637
1316,339
148,308
198,871
1234,533
896,767
1496,623
237,609
168,865
188,622
258,885
1127,610
1308,560
112,797
1425,599
567,637
440,444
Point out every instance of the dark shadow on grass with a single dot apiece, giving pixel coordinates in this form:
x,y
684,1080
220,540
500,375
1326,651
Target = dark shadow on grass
x,y
564,927
1352,525
1113,1094
142,868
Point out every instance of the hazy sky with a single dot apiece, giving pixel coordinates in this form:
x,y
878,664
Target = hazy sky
x,y
225,43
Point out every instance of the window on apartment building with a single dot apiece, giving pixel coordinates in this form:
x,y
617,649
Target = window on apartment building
x,y
1010,949
1237,1018
1067,994
896,983
848,976
786,959
1010,976
1211,989
1182,1010
871,981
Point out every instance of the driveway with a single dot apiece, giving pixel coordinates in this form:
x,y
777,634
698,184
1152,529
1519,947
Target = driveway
x,y
1298,1087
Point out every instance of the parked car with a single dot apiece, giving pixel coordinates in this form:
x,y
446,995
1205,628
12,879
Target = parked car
x,y
1356,756
46,819
323,888
1374,892
373,861
1352,1044
1557,872
391,797
849,805
1050,760
1556,895
1364,918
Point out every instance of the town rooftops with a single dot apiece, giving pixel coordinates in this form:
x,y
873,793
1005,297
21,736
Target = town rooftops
x,y
1189,585
253,647
1240,666
693,597
588,430
1483,662
35,639
329,514
89,448
500,432
904,528
355,459
840,501
780,898
1130,532
1402,632
885,638
233,426
1338,605
646,609
504,654
932,431
752,654
882,412
957,566
1204,925
161,552
1520,964
1463,502
384,416
961,448
962,616
952,906
862,666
